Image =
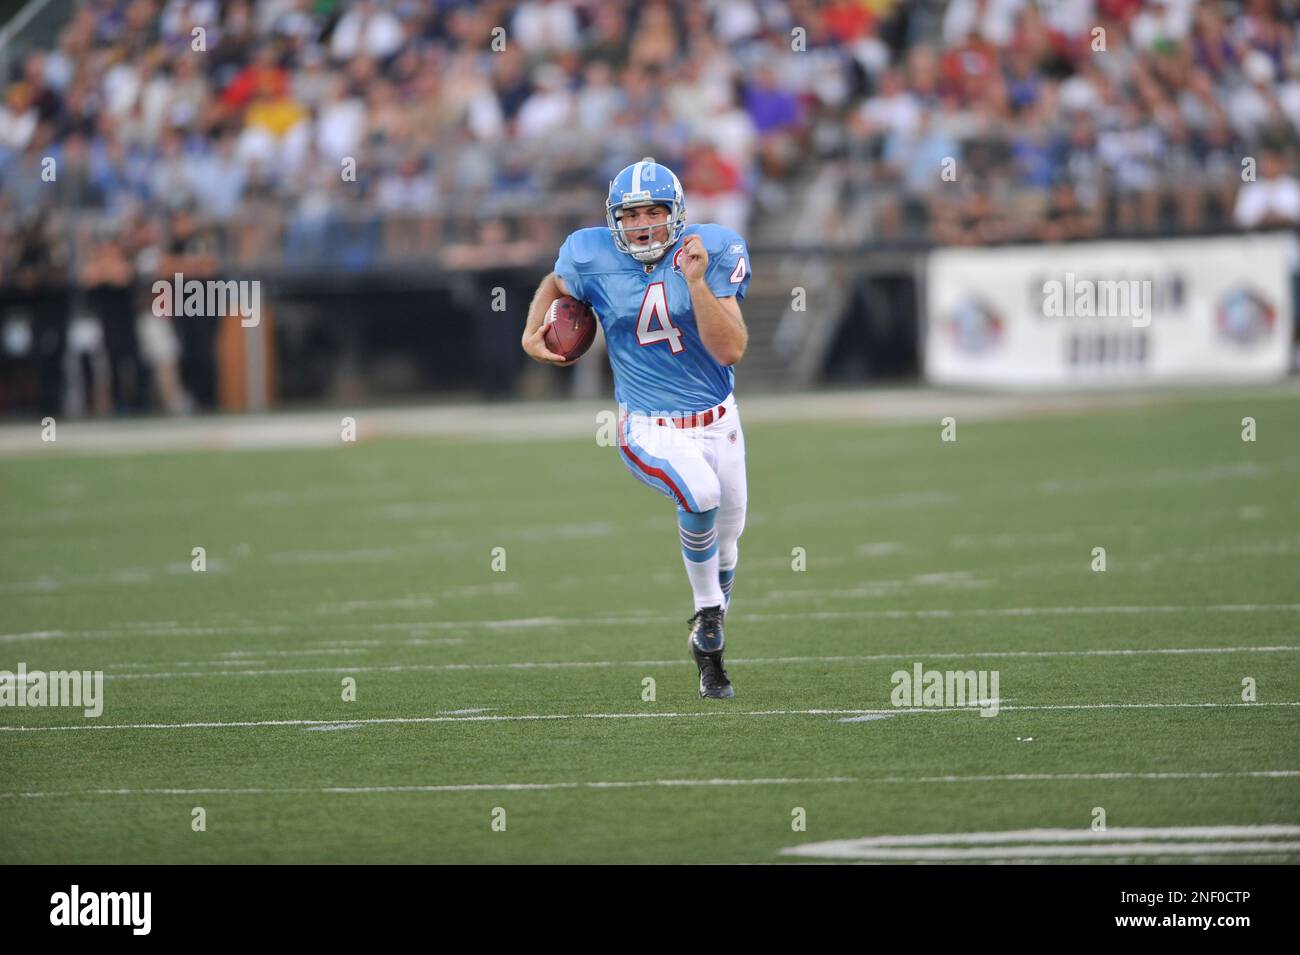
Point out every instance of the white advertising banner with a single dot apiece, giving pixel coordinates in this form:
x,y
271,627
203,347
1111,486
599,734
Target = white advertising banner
x,y
1111,313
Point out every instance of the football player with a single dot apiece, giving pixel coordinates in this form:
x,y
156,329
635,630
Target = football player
x,y
668,297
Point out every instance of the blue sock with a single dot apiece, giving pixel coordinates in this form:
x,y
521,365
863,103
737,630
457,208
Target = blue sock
x,y
725,579
699,539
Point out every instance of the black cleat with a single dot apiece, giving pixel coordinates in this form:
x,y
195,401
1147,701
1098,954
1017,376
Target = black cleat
x,y
706,642
706,630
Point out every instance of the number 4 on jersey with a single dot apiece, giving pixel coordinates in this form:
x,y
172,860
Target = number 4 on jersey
x,y
655,304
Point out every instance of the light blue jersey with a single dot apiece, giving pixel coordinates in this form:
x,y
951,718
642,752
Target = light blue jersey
x,y
660,363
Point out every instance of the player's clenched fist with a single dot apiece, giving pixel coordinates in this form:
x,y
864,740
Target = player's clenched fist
x,y
695,258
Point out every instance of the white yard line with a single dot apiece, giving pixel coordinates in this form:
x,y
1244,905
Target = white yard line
x,y
237,656
330,729
742,661
450,788
640,784
1077,835
1111,850
1059,844
531,717
650,618
1015,612
1092,777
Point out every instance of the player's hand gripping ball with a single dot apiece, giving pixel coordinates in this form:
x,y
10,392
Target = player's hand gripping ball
x,y
570,328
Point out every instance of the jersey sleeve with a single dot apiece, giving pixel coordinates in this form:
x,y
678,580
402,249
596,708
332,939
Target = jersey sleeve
x,y
728,272
567,268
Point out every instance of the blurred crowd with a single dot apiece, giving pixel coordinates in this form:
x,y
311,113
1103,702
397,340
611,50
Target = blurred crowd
x,y
330,135
288,117
1073,119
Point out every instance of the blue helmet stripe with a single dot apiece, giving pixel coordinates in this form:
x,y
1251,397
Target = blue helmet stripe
x,y
646,182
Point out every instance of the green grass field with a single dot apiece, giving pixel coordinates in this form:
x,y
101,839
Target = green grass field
x,y
522,689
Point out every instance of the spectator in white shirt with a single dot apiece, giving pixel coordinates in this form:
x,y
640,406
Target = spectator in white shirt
x,y
547,26
995,20
367,28
548,109
18,119
1272,200
1253,105
342,122
893,111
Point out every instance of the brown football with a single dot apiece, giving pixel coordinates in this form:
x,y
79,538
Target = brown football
x,y
570,328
